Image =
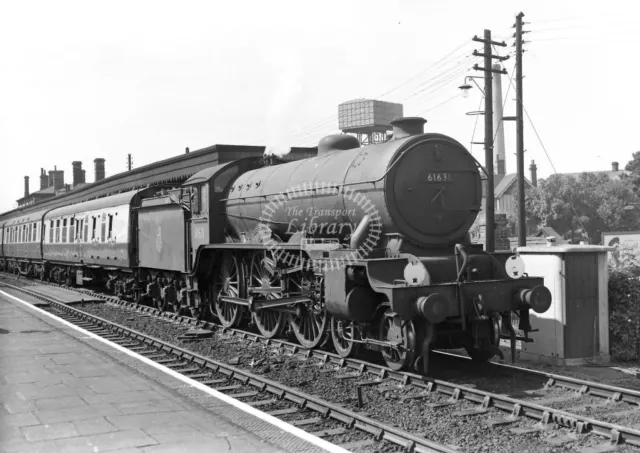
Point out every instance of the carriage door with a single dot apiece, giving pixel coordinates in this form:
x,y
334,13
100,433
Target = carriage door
x,y
76,228
199,228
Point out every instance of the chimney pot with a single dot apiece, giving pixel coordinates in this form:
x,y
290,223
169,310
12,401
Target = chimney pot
x,y
534,173
26,186
78,172
58,179
99,168
407,126
44,181
614,166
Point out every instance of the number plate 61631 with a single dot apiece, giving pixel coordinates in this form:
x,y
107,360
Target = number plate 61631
x,y
437,177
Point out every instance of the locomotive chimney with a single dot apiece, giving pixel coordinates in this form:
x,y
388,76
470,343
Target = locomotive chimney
x,y
337,142
186,151
78,173
99,168
534,174
44,181
614,166
26,186
406,127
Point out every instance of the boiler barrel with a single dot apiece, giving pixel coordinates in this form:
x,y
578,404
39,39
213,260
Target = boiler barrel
x,y
425,187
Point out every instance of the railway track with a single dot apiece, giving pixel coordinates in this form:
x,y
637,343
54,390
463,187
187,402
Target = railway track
x,y
325,419
567,422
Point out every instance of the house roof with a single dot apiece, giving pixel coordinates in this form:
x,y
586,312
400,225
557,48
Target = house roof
x,y
506,181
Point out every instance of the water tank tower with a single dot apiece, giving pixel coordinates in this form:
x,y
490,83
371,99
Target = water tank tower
x,y
369,119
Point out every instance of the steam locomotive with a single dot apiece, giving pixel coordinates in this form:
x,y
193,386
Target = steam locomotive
x,y
365,247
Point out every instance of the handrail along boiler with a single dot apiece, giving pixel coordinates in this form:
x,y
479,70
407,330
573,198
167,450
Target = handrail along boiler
x,y
366,247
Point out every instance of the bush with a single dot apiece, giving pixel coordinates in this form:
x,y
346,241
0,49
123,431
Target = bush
x,y
624,319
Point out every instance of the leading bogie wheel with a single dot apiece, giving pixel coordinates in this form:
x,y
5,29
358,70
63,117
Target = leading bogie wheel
x,y
486,348
228,281
341,332
402,334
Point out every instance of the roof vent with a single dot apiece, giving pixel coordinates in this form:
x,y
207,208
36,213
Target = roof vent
x,y
338,142
406,127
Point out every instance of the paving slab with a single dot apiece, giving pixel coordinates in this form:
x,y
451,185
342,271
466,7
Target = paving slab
x,y
63,295
62,390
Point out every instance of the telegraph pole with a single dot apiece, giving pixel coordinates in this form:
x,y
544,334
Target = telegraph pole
x,y
488,131
522,226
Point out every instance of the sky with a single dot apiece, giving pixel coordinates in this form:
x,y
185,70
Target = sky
x,y
81,80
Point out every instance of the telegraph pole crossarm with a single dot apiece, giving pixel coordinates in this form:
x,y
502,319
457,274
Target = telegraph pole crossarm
x,y
480,68
496,57
486,40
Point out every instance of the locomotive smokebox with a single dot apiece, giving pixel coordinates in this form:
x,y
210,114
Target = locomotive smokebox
x,y
405,127
337,142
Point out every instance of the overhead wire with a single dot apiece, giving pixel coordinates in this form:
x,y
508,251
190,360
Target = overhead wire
x,y
445,60
432,85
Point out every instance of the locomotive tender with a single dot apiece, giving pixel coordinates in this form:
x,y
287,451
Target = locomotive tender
x,y
366,246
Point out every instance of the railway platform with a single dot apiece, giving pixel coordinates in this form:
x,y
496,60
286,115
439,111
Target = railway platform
x,y
62,390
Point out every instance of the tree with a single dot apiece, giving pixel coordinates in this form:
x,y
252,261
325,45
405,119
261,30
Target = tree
x,y
634,164
583,208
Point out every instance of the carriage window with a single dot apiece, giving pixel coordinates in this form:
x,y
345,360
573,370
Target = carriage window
x,y
51,232
110,225
72,230
93,229
34,235
64,230
24,233
85,237
58,230
29,232
103,228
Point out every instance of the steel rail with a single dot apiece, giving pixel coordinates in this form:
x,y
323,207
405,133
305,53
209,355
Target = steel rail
x,y
456,392
379,430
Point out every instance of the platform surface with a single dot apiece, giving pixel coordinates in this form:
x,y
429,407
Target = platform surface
x,y
63,295
62,391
